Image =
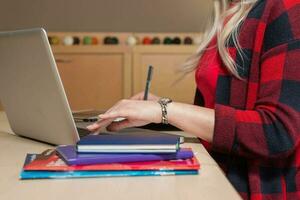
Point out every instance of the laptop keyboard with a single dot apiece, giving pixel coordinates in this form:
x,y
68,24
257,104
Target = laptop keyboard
x,y
82,132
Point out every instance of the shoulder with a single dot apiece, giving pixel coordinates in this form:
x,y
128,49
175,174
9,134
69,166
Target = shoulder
x,y
282,18
276,8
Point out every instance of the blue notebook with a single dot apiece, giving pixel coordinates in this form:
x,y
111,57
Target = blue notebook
x,y
91,174
129,144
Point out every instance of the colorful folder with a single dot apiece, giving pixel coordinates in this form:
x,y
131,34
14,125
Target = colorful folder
x,y
50,165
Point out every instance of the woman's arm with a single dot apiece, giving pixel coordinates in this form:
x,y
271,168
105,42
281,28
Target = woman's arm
x,y
196,120
192,119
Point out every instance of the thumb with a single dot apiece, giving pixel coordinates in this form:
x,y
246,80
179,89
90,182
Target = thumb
x,y
116,126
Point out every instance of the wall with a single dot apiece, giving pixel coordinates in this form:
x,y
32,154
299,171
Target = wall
x,y
105,15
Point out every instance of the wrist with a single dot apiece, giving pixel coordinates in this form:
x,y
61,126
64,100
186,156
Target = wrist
x,y
164,103
171,112
157,112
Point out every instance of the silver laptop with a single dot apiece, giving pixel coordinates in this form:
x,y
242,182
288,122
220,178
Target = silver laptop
x,y
31,90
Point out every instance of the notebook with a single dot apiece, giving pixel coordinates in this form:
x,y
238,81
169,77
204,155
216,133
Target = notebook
x,y
129,144
71,157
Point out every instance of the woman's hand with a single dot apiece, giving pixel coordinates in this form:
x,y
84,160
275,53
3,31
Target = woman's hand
x,y
189,118
134,111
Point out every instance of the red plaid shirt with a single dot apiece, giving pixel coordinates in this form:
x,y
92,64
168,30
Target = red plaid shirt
x,y
257,120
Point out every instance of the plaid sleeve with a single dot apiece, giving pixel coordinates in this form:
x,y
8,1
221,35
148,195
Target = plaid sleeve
x,y
272,128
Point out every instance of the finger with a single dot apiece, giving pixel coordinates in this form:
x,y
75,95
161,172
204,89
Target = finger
x,y
93,127
99,124
112,115
106,119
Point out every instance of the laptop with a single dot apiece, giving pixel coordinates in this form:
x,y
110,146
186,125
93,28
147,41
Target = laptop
x,y
31,90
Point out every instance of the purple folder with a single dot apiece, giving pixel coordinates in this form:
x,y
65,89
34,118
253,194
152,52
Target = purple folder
x,y
71,157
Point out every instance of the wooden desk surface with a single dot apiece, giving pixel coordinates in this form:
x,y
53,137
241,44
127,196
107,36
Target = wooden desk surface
x,y
209,184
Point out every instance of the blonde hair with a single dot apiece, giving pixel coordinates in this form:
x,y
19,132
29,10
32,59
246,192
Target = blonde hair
x,y
224,31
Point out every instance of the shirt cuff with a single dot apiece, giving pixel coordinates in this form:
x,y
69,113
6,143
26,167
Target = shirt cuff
x,y
224,130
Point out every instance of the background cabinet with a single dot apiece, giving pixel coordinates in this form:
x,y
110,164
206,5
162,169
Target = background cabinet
x,y
97,76
94,77
168,80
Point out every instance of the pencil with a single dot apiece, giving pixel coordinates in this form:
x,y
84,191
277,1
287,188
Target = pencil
x,y
149,78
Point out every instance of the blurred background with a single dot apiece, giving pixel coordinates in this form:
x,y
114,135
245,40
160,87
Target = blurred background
x,y
103,47
105,15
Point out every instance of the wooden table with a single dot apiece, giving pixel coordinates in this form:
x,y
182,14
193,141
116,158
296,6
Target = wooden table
x,y
209,184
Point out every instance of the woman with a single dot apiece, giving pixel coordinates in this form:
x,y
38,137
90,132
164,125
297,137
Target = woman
x,y
248,98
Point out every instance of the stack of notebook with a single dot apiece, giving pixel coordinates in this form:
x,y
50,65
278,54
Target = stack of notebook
x,y
113,155
129,143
